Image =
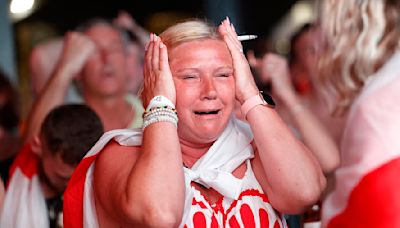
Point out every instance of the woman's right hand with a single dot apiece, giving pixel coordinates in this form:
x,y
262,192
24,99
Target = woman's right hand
x,y
245,84
157,74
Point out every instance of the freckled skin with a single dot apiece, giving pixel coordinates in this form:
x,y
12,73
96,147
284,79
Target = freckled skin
x,y
204,82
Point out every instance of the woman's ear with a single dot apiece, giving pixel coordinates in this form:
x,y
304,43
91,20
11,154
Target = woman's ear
x,y
36,145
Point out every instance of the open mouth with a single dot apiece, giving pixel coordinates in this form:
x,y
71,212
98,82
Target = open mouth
x,y
211,112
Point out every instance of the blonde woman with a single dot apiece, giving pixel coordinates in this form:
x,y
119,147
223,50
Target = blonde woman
x,y
207,170
361,63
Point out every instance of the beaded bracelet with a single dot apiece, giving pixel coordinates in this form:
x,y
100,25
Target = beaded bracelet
x,y
160,115
159,119
159,109
159,101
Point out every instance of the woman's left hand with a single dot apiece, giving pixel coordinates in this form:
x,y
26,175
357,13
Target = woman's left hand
x,y
245,84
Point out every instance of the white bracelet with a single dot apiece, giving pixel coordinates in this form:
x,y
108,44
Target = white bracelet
x,y
157,119
160,115
159,101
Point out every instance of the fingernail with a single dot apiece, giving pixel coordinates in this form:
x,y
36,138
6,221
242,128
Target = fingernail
x,y
227,19
151,36
162,45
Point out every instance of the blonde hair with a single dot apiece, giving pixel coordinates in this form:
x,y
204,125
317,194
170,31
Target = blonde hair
x,y
361,35
188,31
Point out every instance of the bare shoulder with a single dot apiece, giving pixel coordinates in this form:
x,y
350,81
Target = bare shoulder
x,y
111,172
115,159
113,166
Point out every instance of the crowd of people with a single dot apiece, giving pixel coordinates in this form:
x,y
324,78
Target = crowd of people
x,y
134,129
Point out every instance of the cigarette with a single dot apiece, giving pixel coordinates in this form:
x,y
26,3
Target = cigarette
x,y
246,37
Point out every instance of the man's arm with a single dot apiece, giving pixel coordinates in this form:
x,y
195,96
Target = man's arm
x,y
77,49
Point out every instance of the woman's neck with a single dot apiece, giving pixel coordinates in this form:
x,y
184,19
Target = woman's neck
x,y
191,152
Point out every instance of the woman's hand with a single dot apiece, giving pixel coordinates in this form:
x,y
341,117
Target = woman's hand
x,y
157,74
245,84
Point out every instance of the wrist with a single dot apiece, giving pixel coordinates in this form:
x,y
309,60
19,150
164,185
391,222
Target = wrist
x,y
67,70
289,99
160,109
159,101
64,75
296,108
258,99
245,96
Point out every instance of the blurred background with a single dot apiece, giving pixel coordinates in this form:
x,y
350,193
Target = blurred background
x,y
25,23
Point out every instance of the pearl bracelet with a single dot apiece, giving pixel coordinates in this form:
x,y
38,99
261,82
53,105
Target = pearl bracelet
x,y
160,114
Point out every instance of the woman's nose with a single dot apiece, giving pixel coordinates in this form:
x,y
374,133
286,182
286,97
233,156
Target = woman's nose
x,y
208,89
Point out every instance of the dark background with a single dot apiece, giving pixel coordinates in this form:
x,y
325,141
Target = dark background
x,y
52,18
256,16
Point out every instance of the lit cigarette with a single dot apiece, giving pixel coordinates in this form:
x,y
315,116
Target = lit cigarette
x,y
246,37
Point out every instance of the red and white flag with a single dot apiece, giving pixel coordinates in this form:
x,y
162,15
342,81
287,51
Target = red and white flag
x,y
24,203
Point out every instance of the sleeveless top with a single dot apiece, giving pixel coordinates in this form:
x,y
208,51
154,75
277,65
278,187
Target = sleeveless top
x,y
244,203
251,209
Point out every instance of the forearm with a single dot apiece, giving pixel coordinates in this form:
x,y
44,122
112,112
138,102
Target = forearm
x,y
155,187
293,175
316,138
52,95
314,135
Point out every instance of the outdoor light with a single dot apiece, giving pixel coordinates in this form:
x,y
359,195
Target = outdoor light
x,y
20,9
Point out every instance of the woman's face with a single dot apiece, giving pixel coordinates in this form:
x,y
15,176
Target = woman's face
x,y
205,89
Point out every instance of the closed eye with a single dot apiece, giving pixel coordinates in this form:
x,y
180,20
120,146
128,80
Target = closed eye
x,y
189,77
224,72
223,75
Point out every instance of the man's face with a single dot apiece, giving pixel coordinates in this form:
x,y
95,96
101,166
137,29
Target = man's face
x,y
56,172
105,71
